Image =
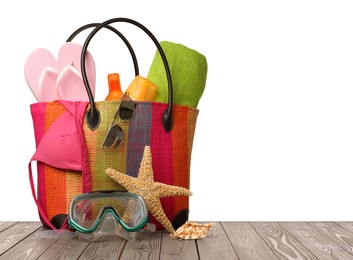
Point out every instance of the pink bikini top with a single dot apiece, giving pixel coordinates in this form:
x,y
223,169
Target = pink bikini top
x,y
63,145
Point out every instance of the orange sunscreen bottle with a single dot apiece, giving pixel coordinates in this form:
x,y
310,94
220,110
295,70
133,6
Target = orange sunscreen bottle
x,y
115,92
142,89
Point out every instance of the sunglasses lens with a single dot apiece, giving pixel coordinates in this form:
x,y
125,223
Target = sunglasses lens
x,y
127,107
115,134
114,137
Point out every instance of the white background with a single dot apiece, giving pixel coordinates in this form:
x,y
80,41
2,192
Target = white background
x,y
274,137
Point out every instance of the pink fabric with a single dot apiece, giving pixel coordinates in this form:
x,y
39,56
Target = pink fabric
x,y
38,121
63,146
39,124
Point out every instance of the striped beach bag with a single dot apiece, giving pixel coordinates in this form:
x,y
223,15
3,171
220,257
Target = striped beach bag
x,y
168,129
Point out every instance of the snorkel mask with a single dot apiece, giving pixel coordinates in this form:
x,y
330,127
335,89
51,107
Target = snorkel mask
x,y
101,213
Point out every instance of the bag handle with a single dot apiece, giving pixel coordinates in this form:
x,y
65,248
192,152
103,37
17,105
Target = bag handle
x,y
128,45
93,115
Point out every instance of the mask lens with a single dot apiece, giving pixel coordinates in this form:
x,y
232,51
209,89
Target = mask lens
x,y
85,214
87,211
133,215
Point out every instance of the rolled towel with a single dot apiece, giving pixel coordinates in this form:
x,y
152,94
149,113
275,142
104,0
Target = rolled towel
x,y
188,70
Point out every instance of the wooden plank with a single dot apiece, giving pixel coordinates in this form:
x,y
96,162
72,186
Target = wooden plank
x,y
346,225
66,247
315,241
14,234
105,249
173,248
31,247
246,242
226,240
216,245
145,246
336,233
282,243
6,224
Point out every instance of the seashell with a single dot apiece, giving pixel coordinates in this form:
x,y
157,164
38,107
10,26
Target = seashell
x,y
192,230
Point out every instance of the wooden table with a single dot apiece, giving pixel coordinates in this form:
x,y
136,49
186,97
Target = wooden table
x,y
226,240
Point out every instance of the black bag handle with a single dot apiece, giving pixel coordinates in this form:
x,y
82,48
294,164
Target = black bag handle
x,y
93,115
128,45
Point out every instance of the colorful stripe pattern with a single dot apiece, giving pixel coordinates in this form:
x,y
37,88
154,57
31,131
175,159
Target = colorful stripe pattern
x,y
171,153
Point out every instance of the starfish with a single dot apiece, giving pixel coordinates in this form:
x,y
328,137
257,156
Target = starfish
x,y
148,189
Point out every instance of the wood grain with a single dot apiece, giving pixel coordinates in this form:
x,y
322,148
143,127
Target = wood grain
x,y
225,240
282,243
146,246
4,225
336,233
318,244
66,247
216,245
15,233
173,248
104,249
246,242
346,225
30,248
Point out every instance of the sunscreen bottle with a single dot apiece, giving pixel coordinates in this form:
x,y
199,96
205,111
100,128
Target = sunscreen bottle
x,y
115,92
142,89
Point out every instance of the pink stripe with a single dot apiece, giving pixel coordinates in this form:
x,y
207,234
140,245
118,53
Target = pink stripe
x,y
41,192
162,160
38,115
86,172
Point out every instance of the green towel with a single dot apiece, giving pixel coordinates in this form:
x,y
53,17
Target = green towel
x,y
188,69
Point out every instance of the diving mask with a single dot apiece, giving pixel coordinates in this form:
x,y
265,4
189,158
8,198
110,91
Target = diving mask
x,y
97,213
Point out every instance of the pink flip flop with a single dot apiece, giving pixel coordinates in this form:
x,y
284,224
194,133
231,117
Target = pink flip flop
x,y
70,85
70,54
34,66
51,79
47,84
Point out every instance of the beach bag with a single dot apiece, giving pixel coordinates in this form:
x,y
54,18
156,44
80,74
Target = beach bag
x,y
80,127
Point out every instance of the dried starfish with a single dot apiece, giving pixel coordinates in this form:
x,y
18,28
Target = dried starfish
x,y
147,188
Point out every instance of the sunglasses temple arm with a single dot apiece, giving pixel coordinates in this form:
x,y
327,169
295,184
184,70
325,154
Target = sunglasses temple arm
x,y
110,126
115,116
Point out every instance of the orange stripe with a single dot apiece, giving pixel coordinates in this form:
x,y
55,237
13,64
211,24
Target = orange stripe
x,y
180,155
192,117
73,186
55,183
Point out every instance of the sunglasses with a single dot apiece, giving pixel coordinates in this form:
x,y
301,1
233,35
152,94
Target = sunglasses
x,y
115,133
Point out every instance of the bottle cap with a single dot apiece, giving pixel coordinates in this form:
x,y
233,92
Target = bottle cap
x,y
114,82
